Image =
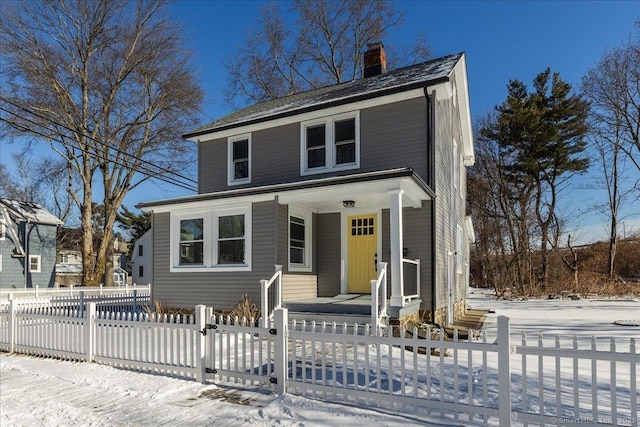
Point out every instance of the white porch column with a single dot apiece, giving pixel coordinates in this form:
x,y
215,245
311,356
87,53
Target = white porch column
x,y
395,227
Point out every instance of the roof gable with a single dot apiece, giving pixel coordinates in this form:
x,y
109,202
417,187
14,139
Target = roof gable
x,y
401,79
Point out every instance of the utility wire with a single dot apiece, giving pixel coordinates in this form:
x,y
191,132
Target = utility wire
x,y
143,168
101,157
163,169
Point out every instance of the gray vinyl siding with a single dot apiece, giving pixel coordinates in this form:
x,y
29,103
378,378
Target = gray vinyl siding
x,y
217,289
416,235
282,244
450,207
394,136
328,248
391,136
42,241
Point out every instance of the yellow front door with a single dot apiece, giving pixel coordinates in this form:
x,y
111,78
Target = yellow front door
x,y
362,248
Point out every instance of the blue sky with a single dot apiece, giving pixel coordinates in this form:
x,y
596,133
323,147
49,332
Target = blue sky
x,y
502,39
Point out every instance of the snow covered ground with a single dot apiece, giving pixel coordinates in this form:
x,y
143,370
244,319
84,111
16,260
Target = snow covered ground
x,y
47,392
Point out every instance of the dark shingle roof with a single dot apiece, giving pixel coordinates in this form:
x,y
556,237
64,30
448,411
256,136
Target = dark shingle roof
x,y
398,80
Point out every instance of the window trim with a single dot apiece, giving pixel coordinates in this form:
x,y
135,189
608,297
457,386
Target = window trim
x,y
459,253
231,180
3,229
38,269
210,239
330,144
456,166
141,270
307,216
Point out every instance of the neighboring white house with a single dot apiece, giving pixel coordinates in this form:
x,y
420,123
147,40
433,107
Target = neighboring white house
x,y
142,259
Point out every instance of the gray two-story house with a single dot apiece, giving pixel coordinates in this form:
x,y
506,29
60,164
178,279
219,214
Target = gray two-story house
x,y
329,183
27,245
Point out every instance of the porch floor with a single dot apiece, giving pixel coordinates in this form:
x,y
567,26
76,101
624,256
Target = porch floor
x,y
359,304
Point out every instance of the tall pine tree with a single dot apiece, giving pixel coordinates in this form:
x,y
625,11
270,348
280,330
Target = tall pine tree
x,y
540,139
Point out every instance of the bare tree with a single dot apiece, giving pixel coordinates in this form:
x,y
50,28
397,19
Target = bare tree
x,y
108,84
613,88
323,46
42,181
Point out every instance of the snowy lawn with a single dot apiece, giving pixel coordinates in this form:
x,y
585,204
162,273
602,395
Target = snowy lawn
x,y
47,392
36,392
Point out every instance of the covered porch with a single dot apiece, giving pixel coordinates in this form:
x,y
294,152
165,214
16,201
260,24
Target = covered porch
x,y
379,229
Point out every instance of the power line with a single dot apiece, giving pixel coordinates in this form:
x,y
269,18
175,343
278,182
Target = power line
x,y
163,169
143,168
99,156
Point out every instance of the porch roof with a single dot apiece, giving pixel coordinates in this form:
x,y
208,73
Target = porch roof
x,y
366,189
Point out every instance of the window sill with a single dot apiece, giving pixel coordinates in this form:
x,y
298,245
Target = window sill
x,y
316,171
239,182
299,269
214,269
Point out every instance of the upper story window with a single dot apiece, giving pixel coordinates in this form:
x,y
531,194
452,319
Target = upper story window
x,y
330,143
140,250
239,160
214,240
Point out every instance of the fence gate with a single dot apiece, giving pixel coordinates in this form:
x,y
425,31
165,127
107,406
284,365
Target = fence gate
x,y
239,351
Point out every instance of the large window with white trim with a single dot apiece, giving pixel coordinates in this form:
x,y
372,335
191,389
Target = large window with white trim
x,y
239,160
300,228
214,240
330,143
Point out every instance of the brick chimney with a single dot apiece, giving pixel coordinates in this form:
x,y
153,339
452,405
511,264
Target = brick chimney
x,y
375,60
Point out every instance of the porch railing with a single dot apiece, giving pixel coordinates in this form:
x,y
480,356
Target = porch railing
x,y
411,279
271,296
379,298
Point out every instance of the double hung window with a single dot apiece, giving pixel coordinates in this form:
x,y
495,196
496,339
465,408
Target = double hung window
x,y
231,239
217,240
299,240
239,162
34,263
330,143
192,241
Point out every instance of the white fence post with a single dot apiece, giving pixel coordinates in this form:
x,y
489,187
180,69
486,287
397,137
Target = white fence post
x,y
504,371
281,316
264,303
12,322
90,330
200,359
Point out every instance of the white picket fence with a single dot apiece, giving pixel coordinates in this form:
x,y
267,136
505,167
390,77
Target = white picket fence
x,y
521,380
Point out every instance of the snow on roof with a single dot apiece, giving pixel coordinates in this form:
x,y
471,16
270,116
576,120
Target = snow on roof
x,y
28,211
69,268
400,79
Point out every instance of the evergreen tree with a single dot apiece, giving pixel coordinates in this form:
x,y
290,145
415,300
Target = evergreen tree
x,y
540,139
135,225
